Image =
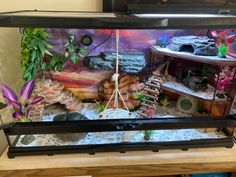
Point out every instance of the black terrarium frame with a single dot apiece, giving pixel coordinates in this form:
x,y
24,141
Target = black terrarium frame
x,y
85,126
119,21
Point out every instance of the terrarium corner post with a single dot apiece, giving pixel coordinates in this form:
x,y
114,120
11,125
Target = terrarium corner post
x,y
226,109
2,126
214,94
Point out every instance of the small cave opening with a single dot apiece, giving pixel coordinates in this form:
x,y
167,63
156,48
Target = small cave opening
x,y
55,108
187,48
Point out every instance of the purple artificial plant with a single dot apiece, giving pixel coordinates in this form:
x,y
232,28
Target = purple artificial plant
x,y
23,104
224,79
224,40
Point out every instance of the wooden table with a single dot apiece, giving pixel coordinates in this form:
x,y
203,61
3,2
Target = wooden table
x,y
130,164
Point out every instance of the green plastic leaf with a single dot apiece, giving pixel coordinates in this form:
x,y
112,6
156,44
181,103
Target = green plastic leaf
x,y
42,48
24,119
74,58
71,48
26,75
49,53
60,68
33,55
148,132
38,55
83,52
34,72
139,96
43,66
31,65
52,62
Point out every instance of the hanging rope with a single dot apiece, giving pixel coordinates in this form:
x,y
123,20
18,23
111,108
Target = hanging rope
x,y
115,77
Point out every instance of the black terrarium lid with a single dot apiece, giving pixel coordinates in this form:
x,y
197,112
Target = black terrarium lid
x,y
101,20
170,6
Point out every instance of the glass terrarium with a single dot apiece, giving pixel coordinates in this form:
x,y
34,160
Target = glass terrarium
x,y
100,82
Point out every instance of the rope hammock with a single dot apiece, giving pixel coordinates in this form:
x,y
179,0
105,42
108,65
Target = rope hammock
x,y
115,77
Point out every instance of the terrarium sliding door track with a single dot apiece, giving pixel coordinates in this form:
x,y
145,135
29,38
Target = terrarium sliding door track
x,y
119,125
120,147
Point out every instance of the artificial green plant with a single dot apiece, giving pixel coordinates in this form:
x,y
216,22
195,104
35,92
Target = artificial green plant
x,y
224,40
139,96
201,108
73,50
34,47
56,63
100,106
147,134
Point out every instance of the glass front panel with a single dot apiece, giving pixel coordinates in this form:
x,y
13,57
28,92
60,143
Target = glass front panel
x,y
90,74
96,138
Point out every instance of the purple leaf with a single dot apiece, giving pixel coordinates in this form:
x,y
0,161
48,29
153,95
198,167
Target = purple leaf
x,y
18,115
16,105
28,113
8,93
36,100
27,90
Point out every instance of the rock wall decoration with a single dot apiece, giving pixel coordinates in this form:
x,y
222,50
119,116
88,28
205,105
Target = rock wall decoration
x,y
54,92
129,62
128,86
81,81
198,45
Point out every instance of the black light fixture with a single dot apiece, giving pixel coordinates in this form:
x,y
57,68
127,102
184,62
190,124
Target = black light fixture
x,y
182,15
171,8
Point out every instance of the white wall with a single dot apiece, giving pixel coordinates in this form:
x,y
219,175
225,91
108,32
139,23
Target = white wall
x,y
10,71
10,39
77,5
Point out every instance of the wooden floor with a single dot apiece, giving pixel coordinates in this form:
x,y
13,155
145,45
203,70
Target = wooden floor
x,y
130,164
